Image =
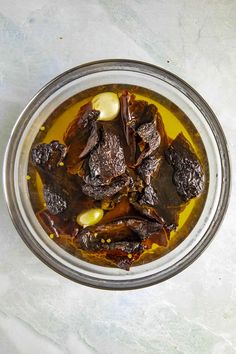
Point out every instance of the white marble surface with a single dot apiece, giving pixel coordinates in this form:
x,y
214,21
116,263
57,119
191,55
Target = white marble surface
x,y
194,312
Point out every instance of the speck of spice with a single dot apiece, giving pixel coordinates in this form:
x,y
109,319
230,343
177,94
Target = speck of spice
x,y
102,240
42,128
108,240
28,177
61,163
51,235
129,256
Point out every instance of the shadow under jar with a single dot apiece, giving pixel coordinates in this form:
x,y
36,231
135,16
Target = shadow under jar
x,y
189,222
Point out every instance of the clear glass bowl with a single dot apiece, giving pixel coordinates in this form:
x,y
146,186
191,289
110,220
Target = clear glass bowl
x,y
45,102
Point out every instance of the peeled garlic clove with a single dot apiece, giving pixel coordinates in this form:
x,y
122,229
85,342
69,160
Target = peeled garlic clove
x,y
108,104
90,217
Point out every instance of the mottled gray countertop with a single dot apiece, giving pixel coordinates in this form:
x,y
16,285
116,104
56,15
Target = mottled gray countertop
x,y
194,312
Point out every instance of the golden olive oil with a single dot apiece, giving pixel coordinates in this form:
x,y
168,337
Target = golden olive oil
x,y
175,122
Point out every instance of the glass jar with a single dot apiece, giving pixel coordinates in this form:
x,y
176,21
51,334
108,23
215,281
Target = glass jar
x,y
33,117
